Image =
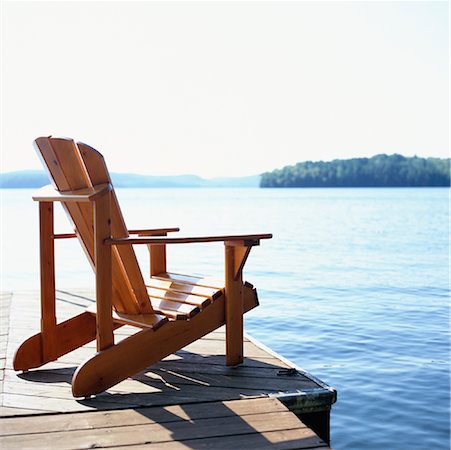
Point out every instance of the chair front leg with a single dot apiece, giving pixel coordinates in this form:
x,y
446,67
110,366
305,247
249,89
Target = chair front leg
x,y
235,256
47,268
103,265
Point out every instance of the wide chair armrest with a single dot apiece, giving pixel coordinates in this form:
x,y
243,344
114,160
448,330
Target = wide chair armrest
x,y
247,240
50,194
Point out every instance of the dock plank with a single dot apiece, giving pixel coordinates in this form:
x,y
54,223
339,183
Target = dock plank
x,y
296,439
141,416
207,423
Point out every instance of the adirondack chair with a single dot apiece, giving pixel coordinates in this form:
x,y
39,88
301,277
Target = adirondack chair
x,y
171,310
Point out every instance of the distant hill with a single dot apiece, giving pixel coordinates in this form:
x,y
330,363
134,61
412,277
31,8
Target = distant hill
x,y
378,171
37,178
23,179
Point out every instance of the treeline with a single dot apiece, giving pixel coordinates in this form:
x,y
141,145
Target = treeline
x,y
378,171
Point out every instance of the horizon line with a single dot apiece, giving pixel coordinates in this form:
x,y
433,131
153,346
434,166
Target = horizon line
x,y
244,176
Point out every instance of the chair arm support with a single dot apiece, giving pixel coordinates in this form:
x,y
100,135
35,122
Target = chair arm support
x,y
157,252
50,194
244,240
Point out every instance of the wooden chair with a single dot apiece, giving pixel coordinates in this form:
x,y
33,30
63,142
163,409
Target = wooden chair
x,y
172,310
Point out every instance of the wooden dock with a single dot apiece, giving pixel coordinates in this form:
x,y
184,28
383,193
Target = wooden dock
x,y
190,400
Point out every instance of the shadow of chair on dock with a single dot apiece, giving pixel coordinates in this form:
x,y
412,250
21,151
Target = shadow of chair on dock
x,y
184,376
216,407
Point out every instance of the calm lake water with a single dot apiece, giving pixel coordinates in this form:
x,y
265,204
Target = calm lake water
x,y
354,288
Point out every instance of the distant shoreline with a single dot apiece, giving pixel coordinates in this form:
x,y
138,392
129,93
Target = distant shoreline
x,y
378,171
2,188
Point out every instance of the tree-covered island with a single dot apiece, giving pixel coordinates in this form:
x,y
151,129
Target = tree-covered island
x,y
378,171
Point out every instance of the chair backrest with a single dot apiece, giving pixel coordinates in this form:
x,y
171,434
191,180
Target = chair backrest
x,y
73,166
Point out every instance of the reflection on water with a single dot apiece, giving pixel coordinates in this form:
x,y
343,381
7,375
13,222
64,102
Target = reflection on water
x,y
354,287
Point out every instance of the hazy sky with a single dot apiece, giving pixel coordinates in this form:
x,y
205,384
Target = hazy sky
x,y
225,88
